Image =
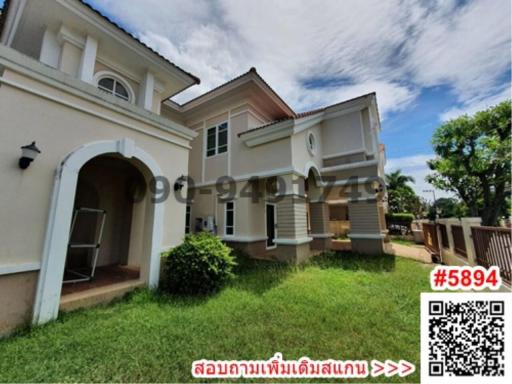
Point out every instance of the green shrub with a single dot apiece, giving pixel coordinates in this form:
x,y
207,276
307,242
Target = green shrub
x,y
399,223
402,218
200,265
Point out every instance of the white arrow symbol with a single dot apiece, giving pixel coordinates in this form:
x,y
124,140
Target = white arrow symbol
x,y
407,368
377,368
392,368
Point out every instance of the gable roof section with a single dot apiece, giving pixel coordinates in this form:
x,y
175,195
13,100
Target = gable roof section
x,y
301,115
151,51
250,75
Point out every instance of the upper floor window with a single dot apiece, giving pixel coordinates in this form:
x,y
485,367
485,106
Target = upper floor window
x,y
217,139
311,143
113,85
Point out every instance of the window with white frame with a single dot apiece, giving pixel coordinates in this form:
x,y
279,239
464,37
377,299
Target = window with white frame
x,y
229,223
114,86
217,139
187,219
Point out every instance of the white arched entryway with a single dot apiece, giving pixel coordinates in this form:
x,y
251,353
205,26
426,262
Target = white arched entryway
x,y
46,306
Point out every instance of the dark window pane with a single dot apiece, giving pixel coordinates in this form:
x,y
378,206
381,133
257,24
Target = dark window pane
x,y
210,142
107,83
222,141
187,219
121,91
230,218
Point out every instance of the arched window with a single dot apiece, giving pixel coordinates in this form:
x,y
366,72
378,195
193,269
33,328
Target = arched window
x,y
113,85
311,143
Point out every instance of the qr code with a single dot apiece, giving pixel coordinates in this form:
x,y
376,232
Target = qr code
x,y
464,337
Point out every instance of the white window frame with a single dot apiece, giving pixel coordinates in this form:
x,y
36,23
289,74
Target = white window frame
x,y
311,149
107,74
226,234
275,226
216,145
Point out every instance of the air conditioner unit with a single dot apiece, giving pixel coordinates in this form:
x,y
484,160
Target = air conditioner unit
x,y
209,224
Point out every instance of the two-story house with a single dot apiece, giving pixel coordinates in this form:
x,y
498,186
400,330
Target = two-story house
x,y
263,177
101,172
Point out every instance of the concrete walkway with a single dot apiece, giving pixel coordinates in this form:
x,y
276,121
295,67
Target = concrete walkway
x,y
414,252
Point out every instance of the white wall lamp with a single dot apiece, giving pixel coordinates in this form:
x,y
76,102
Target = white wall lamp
x,y
28,154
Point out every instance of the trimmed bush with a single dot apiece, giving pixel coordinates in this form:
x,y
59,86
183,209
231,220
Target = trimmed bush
x,y
399,223
200,265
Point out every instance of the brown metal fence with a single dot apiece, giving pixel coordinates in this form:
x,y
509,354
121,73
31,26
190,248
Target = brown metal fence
x,y
444,235
430,236
458,240
493,247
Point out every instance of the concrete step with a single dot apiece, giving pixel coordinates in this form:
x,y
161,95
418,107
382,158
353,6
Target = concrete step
x,y
100,295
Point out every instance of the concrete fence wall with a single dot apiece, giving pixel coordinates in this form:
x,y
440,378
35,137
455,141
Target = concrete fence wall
x,y
448,254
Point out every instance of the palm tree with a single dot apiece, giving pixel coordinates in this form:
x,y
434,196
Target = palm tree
x,y
401,196
396,180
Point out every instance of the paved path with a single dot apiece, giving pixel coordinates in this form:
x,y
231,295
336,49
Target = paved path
x,y
413,252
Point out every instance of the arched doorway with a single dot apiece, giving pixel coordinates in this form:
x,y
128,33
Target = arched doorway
x,y
148,218
108,225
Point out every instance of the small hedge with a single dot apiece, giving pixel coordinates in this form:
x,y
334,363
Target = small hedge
x,y
200,265
399,222
400,217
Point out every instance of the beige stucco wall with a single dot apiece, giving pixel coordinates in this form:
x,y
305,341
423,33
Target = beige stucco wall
x,y
69,61
269,157
59,130
368,135
301,155
240,160
195,157
249,215
172,114
342,134
16,300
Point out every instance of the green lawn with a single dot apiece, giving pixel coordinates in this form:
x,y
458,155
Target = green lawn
x,y
340,306
403,241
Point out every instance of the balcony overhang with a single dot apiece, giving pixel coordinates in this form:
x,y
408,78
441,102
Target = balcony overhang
x,y
288,127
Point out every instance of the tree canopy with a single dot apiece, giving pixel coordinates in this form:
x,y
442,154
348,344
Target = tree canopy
x,y
473,160
401,196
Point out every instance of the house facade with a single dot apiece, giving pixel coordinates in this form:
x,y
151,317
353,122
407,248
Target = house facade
x,y
121,173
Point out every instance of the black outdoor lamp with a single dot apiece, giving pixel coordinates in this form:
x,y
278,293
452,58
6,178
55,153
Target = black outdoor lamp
x,y
180,182
28,154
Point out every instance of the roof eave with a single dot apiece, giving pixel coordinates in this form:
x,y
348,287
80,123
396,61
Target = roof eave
x,y
232,84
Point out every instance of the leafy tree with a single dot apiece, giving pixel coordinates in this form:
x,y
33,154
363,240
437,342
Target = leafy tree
x,y
448,207
473,160
401,197
397,180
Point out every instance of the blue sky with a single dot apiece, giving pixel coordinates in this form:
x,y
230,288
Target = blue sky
x,y
428,61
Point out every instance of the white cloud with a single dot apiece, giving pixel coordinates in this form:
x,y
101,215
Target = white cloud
x,y
467,48
477,104
393,47
416,166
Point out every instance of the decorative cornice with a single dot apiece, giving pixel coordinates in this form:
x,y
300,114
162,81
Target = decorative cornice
x,y
33,69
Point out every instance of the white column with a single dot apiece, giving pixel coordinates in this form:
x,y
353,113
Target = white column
x,y
88,60
147,87
50,49
467,223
